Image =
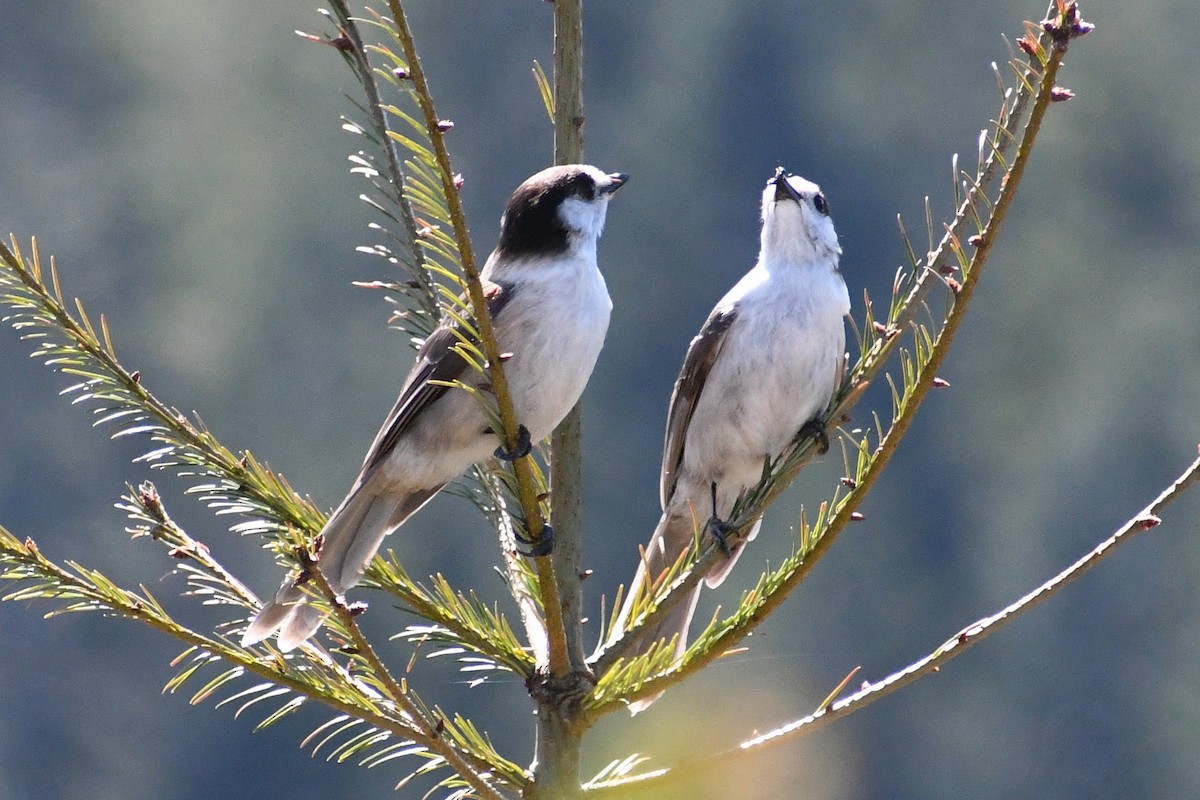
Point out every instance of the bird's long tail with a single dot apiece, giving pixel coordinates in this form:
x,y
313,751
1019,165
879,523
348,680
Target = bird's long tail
x,y
673,536
351,538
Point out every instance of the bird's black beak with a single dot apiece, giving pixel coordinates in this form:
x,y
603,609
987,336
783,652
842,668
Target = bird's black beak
x,y
616,181
783,189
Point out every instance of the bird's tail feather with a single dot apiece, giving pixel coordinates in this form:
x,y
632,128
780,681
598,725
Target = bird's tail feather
x,y
673,536
351,538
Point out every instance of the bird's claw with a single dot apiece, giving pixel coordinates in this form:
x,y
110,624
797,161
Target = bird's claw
x,y
719,528
815,428
523,446
721,531
543,545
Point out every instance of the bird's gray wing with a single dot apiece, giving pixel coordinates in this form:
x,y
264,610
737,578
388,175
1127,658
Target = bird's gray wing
x,y
701,355
437,361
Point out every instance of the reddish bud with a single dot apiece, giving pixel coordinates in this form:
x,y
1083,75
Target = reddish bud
x,y
445,125
458,181
976,240
850,482
1058,94
940,383
856,516
148,495
1149,521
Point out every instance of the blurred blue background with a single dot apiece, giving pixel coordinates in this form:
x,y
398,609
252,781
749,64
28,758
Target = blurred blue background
x,y
184,163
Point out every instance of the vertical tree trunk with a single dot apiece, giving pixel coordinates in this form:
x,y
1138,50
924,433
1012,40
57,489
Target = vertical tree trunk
x,y
556,771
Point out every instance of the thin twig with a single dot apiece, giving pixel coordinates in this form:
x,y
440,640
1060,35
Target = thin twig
x,y
432,735
165,529
395,173
973,634
130,605
871,363
176,430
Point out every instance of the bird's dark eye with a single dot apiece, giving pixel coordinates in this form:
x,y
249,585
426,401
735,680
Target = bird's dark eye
x,y
586,189
821,204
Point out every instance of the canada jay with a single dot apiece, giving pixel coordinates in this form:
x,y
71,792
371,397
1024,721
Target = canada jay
x,y
550,308
765,365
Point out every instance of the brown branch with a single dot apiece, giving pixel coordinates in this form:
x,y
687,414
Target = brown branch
x,y
973,634
527,491
357,55
365,705
566,445
559,738
430,727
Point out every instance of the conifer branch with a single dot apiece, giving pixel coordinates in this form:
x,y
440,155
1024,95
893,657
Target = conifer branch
x,y
879,344
356,57
229,483
310,674
415,193
559,738
527,492
1148,518
431,724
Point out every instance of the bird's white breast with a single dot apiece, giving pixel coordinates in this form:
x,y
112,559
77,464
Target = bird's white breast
x,y
775,372
555,329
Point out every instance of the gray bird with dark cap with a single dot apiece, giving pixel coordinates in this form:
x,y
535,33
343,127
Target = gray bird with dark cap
x,y
550,309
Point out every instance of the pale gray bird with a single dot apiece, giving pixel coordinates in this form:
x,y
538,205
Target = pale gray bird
x,y
764,366
550,308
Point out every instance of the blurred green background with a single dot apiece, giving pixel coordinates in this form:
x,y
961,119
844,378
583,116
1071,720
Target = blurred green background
x,y
184,163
